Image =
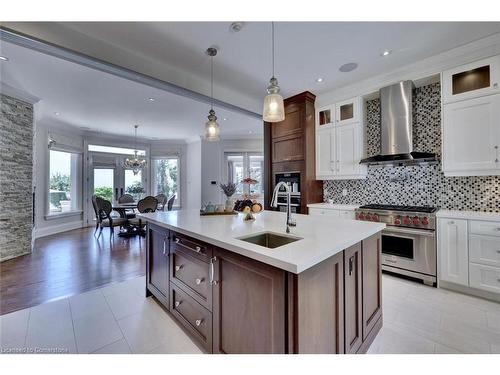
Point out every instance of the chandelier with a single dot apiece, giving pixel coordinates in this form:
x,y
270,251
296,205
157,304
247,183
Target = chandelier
x,y
135,164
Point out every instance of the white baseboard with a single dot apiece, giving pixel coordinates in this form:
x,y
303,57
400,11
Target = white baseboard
x,y
47,231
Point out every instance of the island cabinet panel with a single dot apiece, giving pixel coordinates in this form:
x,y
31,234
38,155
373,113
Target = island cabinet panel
x,y
353,299
157,275
372,283
196,319
316,308
192,246
248,305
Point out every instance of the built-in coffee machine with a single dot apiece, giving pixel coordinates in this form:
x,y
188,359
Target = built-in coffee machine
x,y
292,180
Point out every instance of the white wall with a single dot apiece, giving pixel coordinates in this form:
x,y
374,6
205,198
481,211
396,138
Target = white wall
x,y
193,174
212,164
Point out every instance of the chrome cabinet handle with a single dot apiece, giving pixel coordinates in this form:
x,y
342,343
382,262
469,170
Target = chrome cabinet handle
x,y
177,303
177,240
198,322
178,268
496,152
212,271
198,249
198,281
164,247
495,85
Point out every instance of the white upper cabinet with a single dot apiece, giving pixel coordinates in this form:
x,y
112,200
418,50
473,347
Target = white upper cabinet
x,y
471,137
325,117
348,111
325,165
453,251
347,149
472,80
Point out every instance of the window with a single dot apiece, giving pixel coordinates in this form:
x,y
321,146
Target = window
x,y
166,177
116,150
64,182
133,184
242,165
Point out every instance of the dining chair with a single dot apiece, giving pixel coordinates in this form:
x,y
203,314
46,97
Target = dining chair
x,y
96,212
127,198
104,217
147,204
162,201
170,203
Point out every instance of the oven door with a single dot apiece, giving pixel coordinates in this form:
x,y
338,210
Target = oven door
x,y
409,249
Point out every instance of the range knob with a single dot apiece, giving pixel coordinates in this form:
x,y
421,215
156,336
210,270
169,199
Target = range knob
x,y
375,217
406,220
361,216
425,220
416,220
397,221
368,217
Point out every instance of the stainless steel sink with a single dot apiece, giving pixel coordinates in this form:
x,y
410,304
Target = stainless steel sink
x,y
269,239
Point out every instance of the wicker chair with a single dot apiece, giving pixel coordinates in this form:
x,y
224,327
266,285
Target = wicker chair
x,y
147,204
170,203
104,218
162,201
127,198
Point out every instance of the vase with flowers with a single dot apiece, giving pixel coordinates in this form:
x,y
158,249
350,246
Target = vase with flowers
x,y
228,189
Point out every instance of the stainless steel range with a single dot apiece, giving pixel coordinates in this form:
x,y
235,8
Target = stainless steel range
x,y
409,240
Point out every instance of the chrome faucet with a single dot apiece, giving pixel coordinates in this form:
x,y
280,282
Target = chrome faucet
x,y
274,203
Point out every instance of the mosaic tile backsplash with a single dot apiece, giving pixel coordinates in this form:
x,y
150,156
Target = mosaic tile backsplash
x,y
416,185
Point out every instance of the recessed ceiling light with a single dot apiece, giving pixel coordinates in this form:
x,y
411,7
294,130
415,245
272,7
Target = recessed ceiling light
x,y
151,99
225,118
56,113
236,27
349,67
4,58
319,80
386,53
249,132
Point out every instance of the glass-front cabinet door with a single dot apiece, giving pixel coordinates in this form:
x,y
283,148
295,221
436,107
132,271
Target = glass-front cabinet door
x,y
472,80
348,111
325,116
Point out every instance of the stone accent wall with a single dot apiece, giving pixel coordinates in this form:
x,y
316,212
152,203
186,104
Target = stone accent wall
x,y
423,185
16,177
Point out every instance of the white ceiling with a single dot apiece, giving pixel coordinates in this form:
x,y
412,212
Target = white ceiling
x,y
87,98
304,50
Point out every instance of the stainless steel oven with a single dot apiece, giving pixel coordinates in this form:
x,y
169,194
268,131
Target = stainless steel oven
x,y
411,251
408,241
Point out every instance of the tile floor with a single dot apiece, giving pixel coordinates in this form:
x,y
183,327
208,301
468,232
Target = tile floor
x,y
119,319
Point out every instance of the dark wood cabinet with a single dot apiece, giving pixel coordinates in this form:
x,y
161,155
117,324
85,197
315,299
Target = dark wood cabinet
x,y
248,306
372,283
353,302
289,146
157,262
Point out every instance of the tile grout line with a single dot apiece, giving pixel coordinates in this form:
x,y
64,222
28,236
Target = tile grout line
x,y
73,325
27,327
117,323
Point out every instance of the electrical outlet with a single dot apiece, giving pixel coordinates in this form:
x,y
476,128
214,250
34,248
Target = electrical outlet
x,y
344,192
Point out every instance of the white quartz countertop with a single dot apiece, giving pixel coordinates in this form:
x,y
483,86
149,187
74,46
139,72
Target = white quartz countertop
x,y
331,206
470,215
321,236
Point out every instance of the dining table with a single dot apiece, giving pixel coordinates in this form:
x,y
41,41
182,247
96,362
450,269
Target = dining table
x,y
128,229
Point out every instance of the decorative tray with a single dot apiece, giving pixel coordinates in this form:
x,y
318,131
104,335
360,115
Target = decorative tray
x,y
203,213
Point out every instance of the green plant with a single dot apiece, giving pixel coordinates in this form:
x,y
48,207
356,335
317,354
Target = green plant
x,y
135,188
166,176
104,192
60,182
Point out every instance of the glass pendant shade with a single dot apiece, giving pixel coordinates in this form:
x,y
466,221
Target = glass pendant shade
x,y
274,108
212,130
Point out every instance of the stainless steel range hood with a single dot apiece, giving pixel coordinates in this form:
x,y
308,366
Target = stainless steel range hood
x,y
396,142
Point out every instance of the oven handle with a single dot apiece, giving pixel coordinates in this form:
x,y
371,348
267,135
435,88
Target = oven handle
x,y
419,232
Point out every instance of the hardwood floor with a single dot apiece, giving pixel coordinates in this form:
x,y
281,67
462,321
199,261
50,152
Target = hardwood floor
x,y
66,264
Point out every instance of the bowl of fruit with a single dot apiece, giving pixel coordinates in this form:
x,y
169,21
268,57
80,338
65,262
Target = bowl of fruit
x,y
248,207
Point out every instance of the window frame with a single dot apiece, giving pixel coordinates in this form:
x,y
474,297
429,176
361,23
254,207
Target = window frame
x,y
76,177
177,201
246,169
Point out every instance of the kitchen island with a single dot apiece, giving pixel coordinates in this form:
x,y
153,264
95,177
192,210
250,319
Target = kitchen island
x,y
248,287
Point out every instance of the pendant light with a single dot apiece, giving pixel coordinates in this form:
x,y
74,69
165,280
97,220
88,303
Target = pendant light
x,y
212,130
135,164
274,108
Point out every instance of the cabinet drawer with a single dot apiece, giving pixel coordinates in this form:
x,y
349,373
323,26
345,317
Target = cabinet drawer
x,y
484,250
192,275
484,277
347,214
490,228
194,317
196,248
325,212
288,148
